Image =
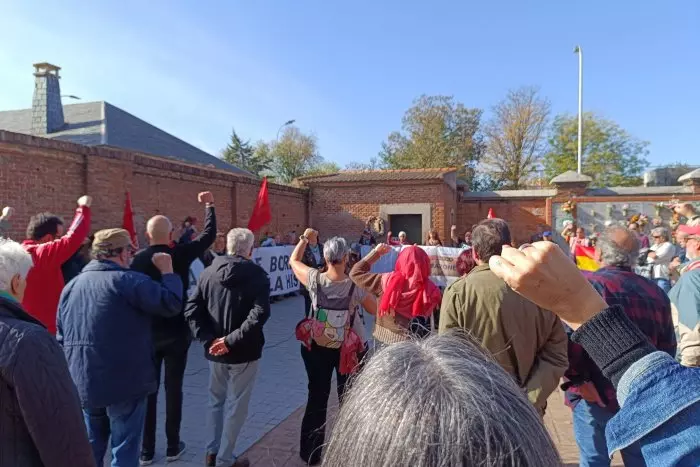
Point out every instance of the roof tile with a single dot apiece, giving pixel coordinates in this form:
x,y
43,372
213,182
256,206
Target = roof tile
x,y
378,175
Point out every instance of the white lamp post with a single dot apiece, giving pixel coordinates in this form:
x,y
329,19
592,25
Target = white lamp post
x,y
577,50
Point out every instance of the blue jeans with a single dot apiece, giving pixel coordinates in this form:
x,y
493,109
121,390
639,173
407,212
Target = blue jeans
x,y
235,383
665,284
589,429
124,422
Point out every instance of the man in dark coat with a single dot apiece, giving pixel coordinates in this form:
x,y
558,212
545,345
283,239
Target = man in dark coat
x,y
40,419
104,325
227,313
171,336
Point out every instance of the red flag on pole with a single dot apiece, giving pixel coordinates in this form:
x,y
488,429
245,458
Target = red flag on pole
x,y
261,212
490,215
128,220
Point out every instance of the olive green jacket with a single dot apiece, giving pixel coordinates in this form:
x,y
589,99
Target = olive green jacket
x,y
529,343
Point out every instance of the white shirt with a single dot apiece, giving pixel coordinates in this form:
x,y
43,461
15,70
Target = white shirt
x,y
664,254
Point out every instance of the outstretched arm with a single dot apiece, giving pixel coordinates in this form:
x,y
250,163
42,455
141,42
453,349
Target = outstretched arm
x,y
301,271
199,244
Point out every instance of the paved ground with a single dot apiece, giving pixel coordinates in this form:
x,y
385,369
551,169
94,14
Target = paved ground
x,y
270,436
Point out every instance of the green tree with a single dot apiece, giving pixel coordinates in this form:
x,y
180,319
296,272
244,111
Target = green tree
x,y
243,155
611,156
325,167
436,132
516,137
294,155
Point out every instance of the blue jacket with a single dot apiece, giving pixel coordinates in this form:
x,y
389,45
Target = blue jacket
x,y
104,325
660,408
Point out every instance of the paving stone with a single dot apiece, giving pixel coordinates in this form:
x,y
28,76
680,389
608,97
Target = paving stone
x,y
270,435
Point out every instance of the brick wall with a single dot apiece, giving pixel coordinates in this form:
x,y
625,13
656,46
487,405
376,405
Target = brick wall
x,y
342,209
524,216
38,174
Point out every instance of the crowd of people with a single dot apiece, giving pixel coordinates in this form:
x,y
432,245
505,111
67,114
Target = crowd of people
x,y
461,376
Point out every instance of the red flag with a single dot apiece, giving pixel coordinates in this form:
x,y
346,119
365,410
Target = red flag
x,y
490,215
128,220
261,212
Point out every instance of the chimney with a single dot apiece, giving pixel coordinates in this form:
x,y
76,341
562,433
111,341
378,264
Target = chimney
x,y
47,110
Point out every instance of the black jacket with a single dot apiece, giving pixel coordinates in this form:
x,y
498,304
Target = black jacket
x,y
41,423
232,300
208,257
309,259
169,330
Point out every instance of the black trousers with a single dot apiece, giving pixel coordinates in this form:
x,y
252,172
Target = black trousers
x,y
307,302
174,358
320,363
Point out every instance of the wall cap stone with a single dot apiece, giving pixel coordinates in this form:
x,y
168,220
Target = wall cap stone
x,y
690,176
570,176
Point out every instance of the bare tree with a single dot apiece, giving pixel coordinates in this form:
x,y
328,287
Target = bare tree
x,y
516,137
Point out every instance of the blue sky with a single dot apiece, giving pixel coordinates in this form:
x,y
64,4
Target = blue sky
x,y
347,71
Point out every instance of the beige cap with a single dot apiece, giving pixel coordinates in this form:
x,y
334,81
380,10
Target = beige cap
x,y
111,239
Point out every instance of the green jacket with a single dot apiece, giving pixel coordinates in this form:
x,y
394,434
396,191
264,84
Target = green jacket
x,y
528,342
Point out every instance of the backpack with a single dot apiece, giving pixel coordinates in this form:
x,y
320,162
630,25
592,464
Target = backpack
x,y
331,325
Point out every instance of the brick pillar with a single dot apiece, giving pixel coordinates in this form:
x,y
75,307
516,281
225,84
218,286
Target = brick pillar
x,y
570,184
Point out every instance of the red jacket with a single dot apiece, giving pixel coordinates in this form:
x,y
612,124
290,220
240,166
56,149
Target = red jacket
x,y
45,279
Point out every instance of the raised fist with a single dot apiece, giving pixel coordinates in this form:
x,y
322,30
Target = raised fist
x,y
382,249
85,200
164,262
206,197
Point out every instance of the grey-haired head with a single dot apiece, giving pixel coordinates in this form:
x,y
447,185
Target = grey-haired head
x,y
618,246
335,250
438,401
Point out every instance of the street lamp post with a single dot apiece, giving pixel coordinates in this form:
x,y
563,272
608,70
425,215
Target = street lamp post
x,y
287,123
578,51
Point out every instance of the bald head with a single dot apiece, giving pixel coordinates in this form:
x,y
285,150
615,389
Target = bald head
x,y
617,246
159,230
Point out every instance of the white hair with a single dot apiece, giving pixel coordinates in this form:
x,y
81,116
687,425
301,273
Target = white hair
x,y
239,242
335,249
402,233
439,401
661,232
13,261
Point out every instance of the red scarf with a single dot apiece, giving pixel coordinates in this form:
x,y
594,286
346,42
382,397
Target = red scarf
x,y
408,290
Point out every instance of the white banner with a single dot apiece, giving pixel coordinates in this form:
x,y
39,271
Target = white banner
x,y
275,261
443,262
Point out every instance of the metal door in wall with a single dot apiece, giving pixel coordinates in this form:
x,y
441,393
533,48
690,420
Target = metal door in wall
x,y
412,224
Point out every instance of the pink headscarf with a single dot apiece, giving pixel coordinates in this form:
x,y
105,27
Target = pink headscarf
x,y
408,290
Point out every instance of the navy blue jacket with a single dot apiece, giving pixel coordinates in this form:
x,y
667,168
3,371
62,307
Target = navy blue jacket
x,y
104,325
41,423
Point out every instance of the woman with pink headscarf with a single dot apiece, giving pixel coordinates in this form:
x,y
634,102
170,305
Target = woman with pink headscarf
x,y
404,294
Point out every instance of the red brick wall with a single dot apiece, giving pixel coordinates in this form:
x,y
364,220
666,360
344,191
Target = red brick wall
x,y
38,174
342,209
524,216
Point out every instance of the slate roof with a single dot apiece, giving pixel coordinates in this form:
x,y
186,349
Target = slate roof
x,y
379,176
103,124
